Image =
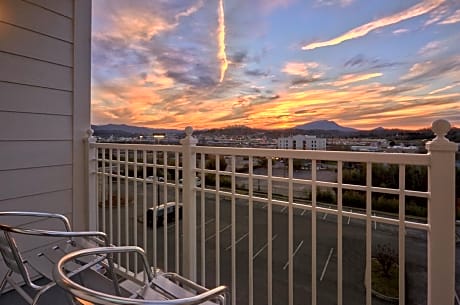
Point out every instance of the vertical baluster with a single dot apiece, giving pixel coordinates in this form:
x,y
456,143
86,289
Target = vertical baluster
x,y
290,234
313,233
251,231
368,276
270,233
402,234
217,233
233,242
339,233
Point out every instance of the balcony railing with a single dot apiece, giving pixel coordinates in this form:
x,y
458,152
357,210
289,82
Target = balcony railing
x,y
284,226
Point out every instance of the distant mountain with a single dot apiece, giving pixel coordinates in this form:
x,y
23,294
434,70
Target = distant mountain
x,y
128,130
325,125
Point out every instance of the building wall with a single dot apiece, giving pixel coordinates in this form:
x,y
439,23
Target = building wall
x,y
44,106
302,142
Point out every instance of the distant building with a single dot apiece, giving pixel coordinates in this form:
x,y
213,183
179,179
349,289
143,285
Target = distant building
x,y
302,142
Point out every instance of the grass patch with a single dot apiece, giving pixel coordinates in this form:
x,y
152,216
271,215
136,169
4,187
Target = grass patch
x,y
388,286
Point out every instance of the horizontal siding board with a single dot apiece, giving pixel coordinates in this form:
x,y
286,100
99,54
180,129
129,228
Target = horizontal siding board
x,y
28,71
63,7
35,18
59,202
31,44
31,181
24,154
26,126
23,98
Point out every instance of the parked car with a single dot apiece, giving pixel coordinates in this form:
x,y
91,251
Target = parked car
x,y
152,178
160,209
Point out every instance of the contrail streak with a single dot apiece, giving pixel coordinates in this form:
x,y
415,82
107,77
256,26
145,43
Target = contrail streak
x,y
221,55
414,11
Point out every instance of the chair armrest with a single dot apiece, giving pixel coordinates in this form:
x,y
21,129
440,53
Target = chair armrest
x,y
61,217
101,237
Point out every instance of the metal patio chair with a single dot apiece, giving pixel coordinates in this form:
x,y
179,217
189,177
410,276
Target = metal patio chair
x,y
36,267
149,287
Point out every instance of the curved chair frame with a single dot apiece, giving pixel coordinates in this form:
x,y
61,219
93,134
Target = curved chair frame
x,y
21,265
96,297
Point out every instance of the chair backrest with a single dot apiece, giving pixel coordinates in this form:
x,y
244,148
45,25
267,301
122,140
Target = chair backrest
x,y
9,248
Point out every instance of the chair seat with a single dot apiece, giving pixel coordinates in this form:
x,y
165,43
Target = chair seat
x,y
154,287
161,288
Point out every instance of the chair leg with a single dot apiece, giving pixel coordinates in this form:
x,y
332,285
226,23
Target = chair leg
x,y
41,291
19,290
2,285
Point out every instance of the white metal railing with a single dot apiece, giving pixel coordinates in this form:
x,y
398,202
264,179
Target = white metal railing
x,y
241,222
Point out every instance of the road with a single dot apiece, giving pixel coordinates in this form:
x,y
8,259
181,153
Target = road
x,y
353,260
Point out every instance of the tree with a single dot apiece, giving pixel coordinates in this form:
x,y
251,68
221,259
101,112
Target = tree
x,y
386,257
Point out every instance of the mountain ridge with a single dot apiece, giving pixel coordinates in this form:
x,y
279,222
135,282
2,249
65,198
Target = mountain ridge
x,y
325,125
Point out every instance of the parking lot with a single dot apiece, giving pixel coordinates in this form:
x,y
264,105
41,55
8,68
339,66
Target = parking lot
x,y
353,237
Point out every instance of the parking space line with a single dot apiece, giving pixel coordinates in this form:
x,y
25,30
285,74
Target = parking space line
x,y
206,223
283,209
326,264
221,230
237,241
263,248
293,254
349,217
303,212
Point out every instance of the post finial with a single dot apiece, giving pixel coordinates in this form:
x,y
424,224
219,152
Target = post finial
x,y
440,127
188,131
90,132
189,139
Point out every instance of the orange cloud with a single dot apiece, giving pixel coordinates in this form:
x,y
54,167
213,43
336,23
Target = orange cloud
x,y
414,11
299,68
353,78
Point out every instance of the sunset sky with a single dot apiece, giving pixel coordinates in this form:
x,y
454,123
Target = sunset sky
x,y
275,64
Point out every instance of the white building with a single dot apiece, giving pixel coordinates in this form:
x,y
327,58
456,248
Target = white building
x,y
304,142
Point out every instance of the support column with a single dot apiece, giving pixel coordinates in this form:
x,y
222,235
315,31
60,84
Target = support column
x,y
189,205
441,217
91,174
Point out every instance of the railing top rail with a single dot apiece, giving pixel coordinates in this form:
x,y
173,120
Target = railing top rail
x,y
157,147
346,156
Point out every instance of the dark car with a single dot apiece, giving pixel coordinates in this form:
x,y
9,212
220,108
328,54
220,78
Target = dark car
x,y
160,212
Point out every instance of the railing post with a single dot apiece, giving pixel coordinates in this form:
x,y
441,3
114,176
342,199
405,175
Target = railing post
x,y
441,217
189,205
91,180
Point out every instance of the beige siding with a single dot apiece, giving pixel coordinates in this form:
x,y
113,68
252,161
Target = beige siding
x,y
64,8
23,98
29,154
24,70
36,18
35,45
34,181
30,126
42,123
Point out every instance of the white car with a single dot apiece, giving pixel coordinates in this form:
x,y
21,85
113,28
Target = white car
x,y
152,178
160,209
